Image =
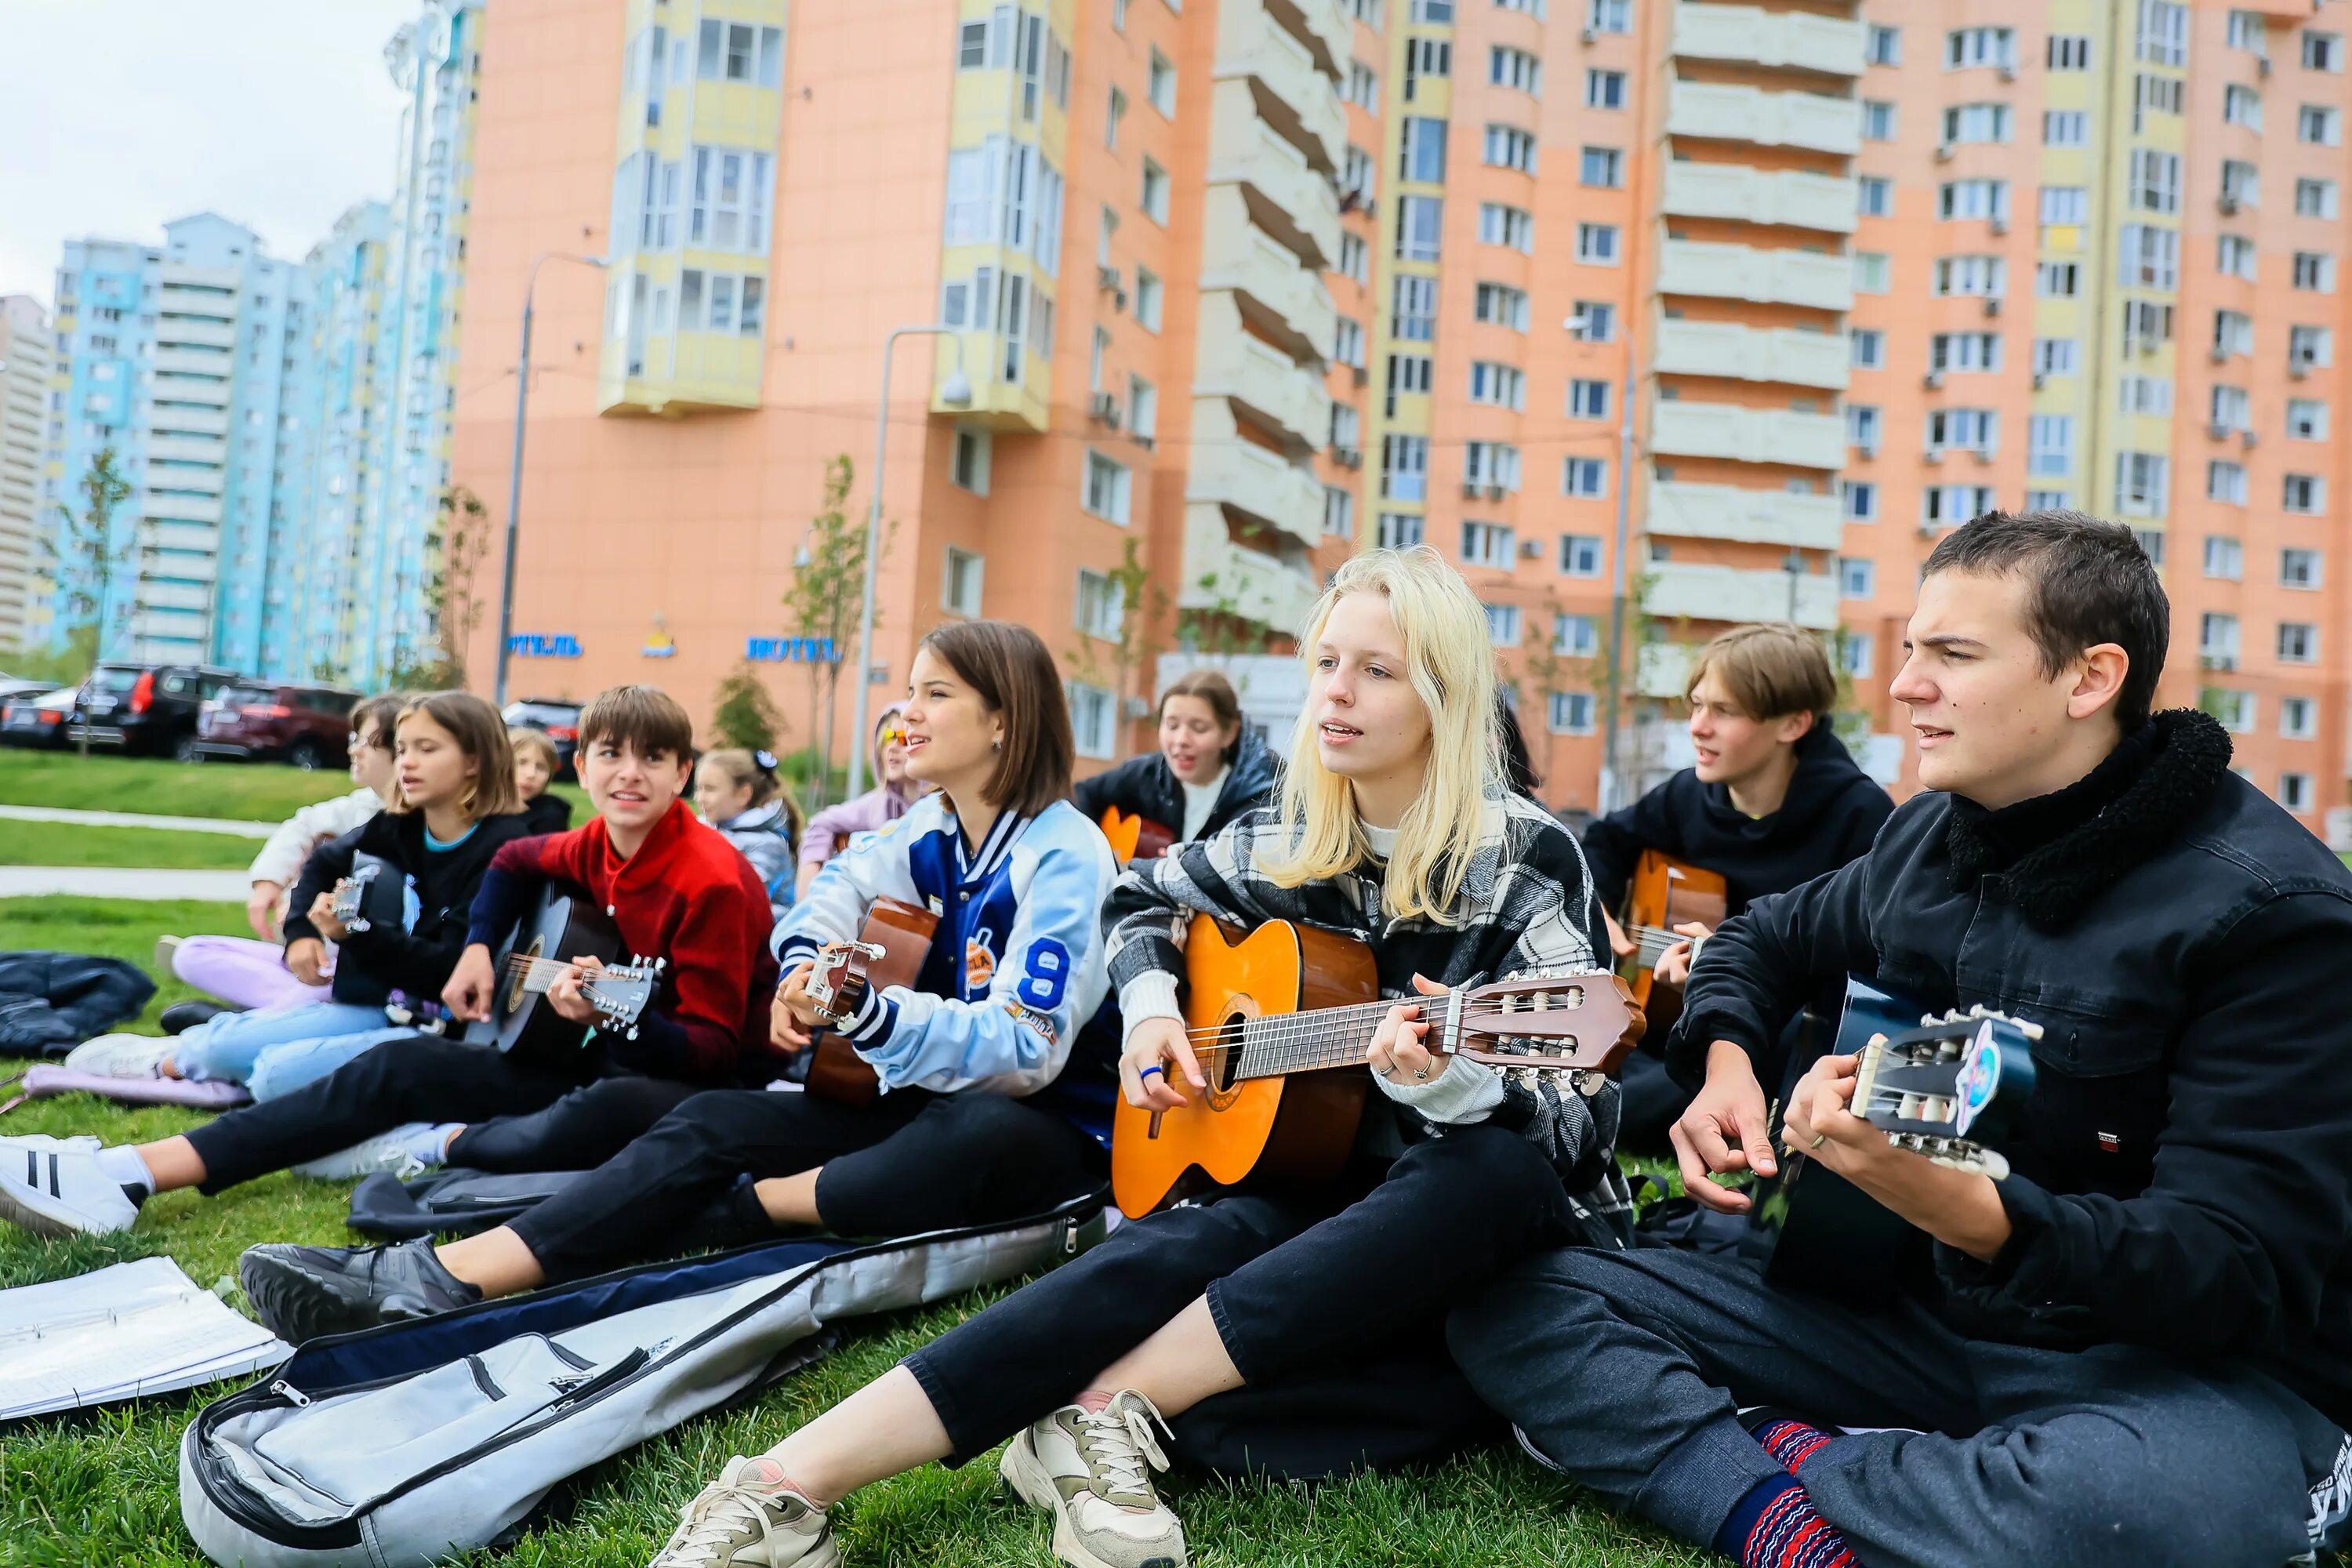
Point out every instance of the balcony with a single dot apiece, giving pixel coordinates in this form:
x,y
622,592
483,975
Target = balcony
x,y
1279,297
1221,575
1259,378
1292,94
205,331
192,537
192,421
1747,435
1792,198
203,509
1728,114
194,361
1749,353
1285,198
1699,592
1787,39
185,450
1754,517
186,597
1760,276
1258,484
1326,25
1662,668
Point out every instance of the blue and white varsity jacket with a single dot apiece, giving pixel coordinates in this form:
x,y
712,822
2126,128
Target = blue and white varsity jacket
x,y
1016,968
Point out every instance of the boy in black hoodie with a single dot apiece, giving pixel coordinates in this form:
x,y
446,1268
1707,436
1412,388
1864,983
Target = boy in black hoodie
x,y
1774,801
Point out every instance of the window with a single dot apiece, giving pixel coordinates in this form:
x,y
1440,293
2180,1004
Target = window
x,y
1425,57
1973,199
1878,121
1584,478
2151,543
1862,427
1596,243
1883,46
1490,463
2309,347
1979,275
1106,489
1142,410
1587,399
1422,147
960,584
2235,257
1604,166
2234,710
2216,640
2157,95
2149,257
2298,568
2319,125
1419,220
1503,625
1409,373
1498,384
1508,147
1093,720
2315,198
1405,467
2242,185
1580,555
1593,321
2298,717
2322,51
2154,182
1875,197
2245,31
1607,16
1339,513
2295,791
1363,89
2065,128
2241,105
1977,122
1961,352
2307,419
1971,429
1948,506
1515,68
2226,482
2304,493
1101,605
1604,89
2069,52
1968,47
2050,444
1860,500
1153,199
969,467
1399,530
1856,579
1348,342
1499,304
2298,642
1147,299
2140,483
1870,272
2224,559
1506,225
1161,85
2163,33
2315,270
1577,636
730,205
1355,258
1868,347
1570,713
1488,545
2143,394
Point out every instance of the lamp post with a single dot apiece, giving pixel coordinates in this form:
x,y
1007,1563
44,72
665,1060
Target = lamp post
x,y
514,479
956,393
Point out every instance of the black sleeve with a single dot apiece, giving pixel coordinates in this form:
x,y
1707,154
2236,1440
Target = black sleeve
x,y
2233,1244
1112,787
1762,964
1612,843
329,863
1865,810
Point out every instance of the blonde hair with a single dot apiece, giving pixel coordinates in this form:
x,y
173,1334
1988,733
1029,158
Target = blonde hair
x,y
481,734
523,738
1451,663
1771,671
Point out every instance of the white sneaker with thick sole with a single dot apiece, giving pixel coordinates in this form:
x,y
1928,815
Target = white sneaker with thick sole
x,y
390,1151
119,1055
1095,1473
749,1518
53,1186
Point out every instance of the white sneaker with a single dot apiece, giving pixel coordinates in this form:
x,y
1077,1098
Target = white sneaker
x,y
119,1055
395,1151
749,1518
53,1186
1095,1473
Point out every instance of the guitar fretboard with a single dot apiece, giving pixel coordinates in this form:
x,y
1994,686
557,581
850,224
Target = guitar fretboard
x,y
1327,1038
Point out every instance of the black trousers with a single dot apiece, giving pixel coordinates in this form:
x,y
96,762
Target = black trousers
x,y
1306,1289
578,1133
910,1162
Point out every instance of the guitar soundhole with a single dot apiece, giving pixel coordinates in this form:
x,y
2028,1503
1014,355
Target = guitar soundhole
x,y
1223,1067
515,991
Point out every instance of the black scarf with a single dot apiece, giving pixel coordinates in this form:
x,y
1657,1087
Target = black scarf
x,y
2056,852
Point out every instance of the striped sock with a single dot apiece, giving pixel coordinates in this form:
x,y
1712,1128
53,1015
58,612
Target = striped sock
x,y
1790,1442
1775,1526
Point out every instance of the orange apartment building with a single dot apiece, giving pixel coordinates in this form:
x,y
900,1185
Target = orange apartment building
x,y
1240,285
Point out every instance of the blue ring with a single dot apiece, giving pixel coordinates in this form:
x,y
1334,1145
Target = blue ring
x,y
1147,1072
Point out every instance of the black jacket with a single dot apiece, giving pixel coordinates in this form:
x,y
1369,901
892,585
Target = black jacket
x,y
551,813
2183,1178
1831,812
1146,786
52,1002
371,964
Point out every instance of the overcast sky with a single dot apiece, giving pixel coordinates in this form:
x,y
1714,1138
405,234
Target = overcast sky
x,y
118,115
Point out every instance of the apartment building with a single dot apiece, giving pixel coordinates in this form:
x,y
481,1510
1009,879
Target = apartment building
x,y
26,344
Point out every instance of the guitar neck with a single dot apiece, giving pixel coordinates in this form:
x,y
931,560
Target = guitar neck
x,y
1327,1038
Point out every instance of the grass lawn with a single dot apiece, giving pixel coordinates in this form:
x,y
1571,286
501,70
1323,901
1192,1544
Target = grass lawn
x,y
249,792
102,1488
63,843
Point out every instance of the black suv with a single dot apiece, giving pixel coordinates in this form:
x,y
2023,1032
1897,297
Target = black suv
x,y
146,709
559,718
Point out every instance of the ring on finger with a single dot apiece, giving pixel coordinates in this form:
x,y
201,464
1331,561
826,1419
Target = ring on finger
x,y
1154,1067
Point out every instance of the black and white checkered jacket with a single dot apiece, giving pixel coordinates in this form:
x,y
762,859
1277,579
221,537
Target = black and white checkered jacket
x,y
1526,902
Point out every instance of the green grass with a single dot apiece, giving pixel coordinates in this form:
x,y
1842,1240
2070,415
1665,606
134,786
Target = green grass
x,y
246,791
101,1487
61,844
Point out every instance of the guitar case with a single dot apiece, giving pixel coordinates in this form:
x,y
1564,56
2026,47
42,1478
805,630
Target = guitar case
x,y
414,1443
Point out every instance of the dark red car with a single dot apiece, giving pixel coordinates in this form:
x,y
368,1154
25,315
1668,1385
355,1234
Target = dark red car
x,y
308,726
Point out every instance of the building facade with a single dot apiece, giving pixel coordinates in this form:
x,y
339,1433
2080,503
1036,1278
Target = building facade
x,y
26,348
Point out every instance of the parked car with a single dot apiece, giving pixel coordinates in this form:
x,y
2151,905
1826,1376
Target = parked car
x,y
308,726
15,685
37,720
560,718
147,708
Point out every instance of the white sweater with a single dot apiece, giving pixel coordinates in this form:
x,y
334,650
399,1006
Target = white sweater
x,y
281,857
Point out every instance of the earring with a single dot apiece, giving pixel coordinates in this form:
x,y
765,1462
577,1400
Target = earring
x,y
996,746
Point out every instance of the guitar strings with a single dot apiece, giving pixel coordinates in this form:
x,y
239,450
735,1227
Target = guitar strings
x,y
1315,1037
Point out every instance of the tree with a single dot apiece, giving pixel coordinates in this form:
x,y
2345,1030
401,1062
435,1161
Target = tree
x,y
747,714
87,561
828,577
1141,603
1219,627
463,529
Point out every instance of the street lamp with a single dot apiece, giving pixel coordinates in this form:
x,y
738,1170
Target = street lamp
x,y
956,393
514,479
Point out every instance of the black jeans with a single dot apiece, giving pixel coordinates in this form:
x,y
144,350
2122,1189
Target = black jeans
x,y
910,1162
1626,1371
578,1133
1297,1282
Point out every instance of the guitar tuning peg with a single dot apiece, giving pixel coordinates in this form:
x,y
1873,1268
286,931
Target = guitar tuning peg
x,y
632,1034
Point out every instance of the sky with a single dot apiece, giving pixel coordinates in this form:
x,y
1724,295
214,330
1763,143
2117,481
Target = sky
x,y
117,116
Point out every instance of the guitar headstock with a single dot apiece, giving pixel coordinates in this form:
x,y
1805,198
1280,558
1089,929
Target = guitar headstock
x,y
837,983
1928,1088
348,902
621,992
1545,1021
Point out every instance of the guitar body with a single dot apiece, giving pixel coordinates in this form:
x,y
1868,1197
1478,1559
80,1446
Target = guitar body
x,y
565,926
1295,1128
904,932
1136,837
1665,892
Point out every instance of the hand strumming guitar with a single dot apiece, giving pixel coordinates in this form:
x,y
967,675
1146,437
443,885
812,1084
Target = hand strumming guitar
x,y
1675,964
1962,1210
1161,1044
792,1019
322,915
1727,1128
471,985
306,960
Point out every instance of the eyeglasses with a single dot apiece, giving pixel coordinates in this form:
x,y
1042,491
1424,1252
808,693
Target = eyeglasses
x,y
356,741
894,734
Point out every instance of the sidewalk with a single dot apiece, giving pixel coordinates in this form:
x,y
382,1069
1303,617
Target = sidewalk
x,y
132,819
122,882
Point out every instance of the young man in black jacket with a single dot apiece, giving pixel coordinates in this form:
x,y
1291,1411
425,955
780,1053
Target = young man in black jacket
x,y
2135,1349
1773,801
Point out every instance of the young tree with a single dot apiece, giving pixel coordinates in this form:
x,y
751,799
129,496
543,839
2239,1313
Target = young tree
x,y
1141,603
88,562
828,576
747,715
463,538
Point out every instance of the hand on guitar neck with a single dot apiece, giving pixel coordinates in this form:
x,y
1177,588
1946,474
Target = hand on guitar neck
x,y
1960,1208
792,1020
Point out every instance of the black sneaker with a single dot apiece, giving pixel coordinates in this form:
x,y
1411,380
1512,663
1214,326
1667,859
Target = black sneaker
x,y
181,1017
307,1292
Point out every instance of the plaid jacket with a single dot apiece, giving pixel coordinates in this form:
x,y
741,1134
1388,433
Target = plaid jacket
x,y
1526,902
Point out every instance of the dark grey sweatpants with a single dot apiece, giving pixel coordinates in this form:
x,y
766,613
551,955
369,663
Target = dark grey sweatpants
x,y
1626,1369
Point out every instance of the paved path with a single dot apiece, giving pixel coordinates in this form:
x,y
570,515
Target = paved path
x,y
132,819
122,882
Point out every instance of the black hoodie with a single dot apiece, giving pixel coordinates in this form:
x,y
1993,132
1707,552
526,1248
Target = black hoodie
x,y
1146,786
1831,813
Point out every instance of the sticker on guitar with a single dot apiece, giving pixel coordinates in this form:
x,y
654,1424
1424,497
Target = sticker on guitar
x,y
1927,1088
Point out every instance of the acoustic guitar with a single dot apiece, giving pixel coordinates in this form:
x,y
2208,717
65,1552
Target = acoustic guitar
x,y
1137,836
1946,1086
1664,893
890,950
1269,1010
562,928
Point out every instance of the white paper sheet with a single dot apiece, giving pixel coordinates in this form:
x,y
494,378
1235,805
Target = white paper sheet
x,y
120,1333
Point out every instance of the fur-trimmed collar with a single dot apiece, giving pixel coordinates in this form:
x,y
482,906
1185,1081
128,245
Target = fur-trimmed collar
x,y
2056,852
